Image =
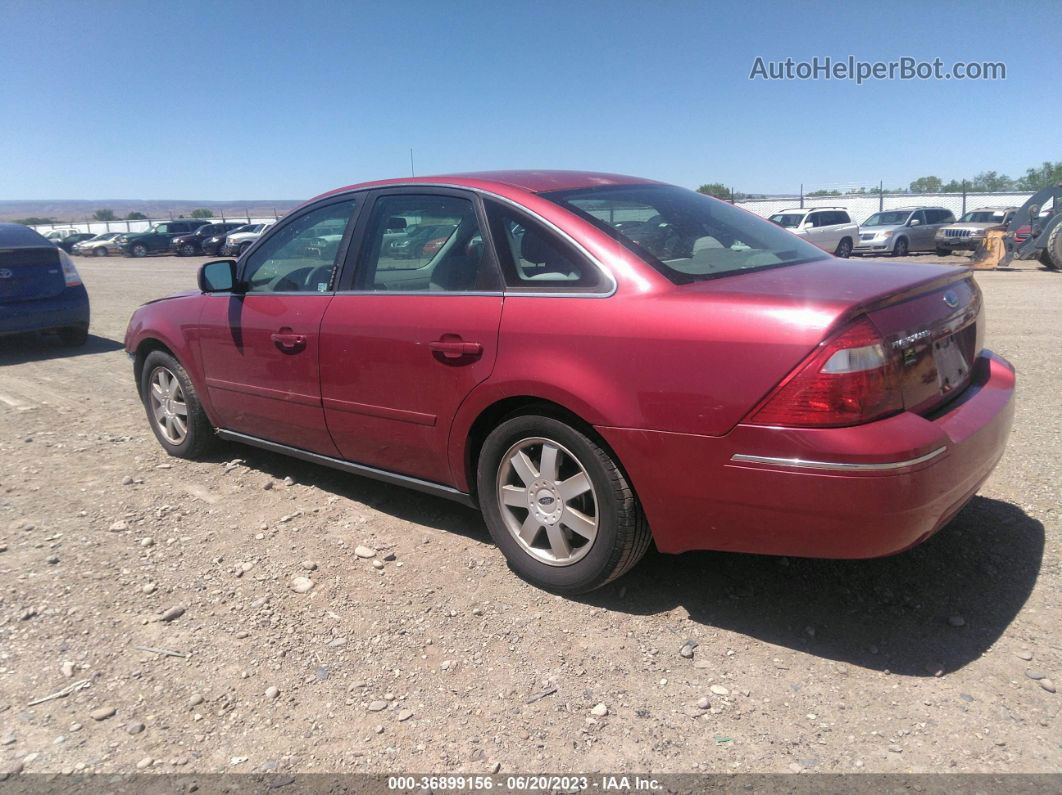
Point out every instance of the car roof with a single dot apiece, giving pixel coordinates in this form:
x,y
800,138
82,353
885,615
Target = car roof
x,y
503,182
991,209
19,236
811,209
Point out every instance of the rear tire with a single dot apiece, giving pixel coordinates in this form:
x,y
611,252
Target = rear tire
x,y
187,250
900,248
844,248
101,252
943,252
173,409
73,337
577,524
138,250
1051,256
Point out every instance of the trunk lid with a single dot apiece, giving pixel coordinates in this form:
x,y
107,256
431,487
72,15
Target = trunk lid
x,y
929,316
933,336
31,272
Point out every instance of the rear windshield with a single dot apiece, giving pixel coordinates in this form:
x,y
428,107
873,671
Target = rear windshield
x,y
686,236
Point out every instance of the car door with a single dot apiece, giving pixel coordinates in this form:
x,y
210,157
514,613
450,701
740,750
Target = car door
x,y
260,347
920,234
413,329
814,226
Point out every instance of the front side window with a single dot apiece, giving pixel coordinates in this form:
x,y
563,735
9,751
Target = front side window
x,y
426,242
301,256
688,236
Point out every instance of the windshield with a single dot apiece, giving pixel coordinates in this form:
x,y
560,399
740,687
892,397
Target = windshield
x,y
982,217
788,220
894,218
686,236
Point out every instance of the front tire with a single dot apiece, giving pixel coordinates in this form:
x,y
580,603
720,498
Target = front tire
x,y
187,250
101,252
242,249
900,248
138,250
173,408
558,506
943,252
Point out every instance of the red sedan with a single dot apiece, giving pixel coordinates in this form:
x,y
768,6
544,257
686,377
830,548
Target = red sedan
x,y
596,362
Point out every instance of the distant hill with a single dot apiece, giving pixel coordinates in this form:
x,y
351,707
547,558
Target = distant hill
x,y
82,209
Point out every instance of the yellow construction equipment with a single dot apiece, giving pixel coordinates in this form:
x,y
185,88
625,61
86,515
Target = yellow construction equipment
x,y
990,251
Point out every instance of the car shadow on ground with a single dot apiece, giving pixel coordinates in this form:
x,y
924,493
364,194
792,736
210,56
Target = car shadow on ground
x,y
896,613
889,613
397,501
21,348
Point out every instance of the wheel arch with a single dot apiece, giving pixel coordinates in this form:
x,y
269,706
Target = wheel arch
x,y
491,415
145,348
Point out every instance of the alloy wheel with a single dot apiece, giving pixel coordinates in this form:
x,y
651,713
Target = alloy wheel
x,y
547,501
168,405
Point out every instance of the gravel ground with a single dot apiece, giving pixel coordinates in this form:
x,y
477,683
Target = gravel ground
x,y
315,621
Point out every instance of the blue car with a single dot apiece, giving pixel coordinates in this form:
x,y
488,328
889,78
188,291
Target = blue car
x,y
40,289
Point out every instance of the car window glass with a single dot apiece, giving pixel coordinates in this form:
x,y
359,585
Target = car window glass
x,y
533,257
301,256
814,219
424,242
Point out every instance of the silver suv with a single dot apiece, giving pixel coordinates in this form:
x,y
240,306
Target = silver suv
x,y
902,230
829,228
970,230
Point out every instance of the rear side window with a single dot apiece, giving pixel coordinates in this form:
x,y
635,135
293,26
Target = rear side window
x,y
534,258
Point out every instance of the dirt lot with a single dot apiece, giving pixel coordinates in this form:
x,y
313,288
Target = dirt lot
x,y
442,660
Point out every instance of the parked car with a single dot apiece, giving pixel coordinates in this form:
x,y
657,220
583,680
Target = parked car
x,y
969,231
829,228
40,289
212,245
901,231
732,388
188,245
55,236
67,240
157,239
101,245
239,241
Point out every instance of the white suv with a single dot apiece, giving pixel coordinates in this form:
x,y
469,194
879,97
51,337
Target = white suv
x,y
829,228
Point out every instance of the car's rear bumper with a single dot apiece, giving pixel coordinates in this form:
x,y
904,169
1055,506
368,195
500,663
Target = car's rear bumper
x,y
857,492
68,309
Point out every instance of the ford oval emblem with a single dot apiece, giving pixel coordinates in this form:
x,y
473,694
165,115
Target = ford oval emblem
x,y
547,500
5,273
951,299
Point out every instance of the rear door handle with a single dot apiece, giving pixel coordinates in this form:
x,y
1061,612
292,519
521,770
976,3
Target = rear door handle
x,y
455,348
288,341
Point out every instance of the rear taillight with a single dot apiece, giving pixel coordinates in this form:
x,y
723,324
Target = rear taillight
x,y
849,379
1022,234
70,274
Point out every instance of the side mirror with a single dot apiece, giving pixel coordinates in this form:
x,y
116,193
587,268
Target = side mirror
x,y
218,276
915,222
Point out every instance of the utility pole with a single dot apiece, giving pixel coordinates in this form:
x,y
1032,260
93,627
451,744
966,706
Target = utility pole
x,y
881,195
801,195
411,172
963,198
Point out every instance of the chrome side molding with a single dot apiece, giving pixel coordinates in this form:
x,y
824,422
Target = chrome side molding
x,y
425,486
839,466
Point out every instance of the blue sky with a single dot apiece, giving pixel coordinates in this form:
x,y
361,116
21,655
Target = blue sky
x,y
255,100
